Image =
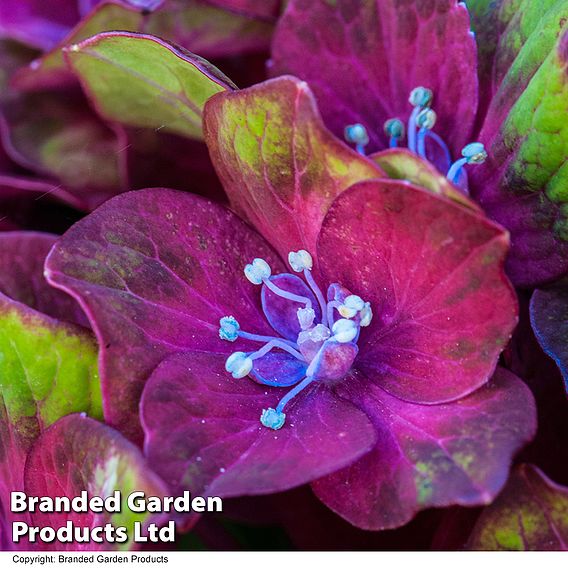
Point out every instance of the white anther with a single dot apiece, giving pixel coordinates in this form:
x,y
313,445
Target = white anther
x,y
320,333
344,330
257,271
300,261
306,317
351,306
238,364
366,315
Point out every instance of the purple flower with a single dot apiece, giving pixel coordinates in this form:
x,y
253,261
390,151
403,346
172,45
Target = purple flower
x,y
352,343
364,58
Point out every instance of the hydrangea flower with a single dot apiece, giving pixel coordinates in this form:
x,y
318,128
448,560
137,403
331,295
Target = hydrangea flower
x,y
346,335
505,87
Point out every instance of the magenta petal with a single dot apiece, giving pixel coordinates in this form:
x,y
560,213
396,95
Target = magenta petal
x,y
203,431
431,456
362,59
282,314
433,272
279,165
80,454
22,255
155,270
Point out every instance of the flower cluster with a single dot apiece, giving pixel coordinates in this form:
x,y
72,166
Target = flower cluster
x,y
348,274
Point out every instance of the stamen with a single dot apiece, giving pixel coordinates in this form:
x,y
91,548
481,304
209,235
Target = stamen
x,y
275,418
438,139
366,315
271,345
344,330
306,317
319,333
357,134
394,129
229,328
351,305
330,307
318,293
425,120
257,271
412,129
287,295
420,98
300,260
472,154
238,364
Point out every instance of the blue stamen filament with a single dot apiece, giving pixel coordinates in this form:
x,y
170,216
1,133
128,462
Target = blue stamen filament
x,y
276,343
314,337
419,129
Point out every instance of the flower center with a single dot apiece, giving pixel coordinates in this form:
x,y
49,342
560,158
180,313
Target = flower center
x,y
422,139
318,336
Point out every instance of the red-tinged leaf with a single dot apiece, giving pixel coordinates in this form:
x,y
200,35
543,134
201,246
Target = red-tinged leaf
x,y
22,256
522,185
50,70
57,136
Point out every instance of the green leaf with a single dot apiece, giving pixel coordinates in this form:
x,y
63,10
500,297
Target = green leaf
x,y
530,514
141,80
48,369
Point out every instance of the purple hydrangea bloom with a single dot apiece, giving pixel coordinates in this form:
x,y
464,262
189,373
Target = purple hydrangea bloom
x,y
352,343
364,58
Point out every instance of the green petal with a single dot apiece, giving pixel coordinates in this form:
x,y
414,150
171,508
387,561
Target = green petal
x,y
141,80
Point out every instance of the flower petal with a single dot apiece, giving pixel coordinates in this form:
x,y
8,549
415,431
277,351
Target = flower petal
x,y
400,163
279,165
530,514
203,431
430,456
282,314
155,270
56,136
278,369
433,272
48,369
141,80
335,46
522,184
79,454
37,23
22,256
